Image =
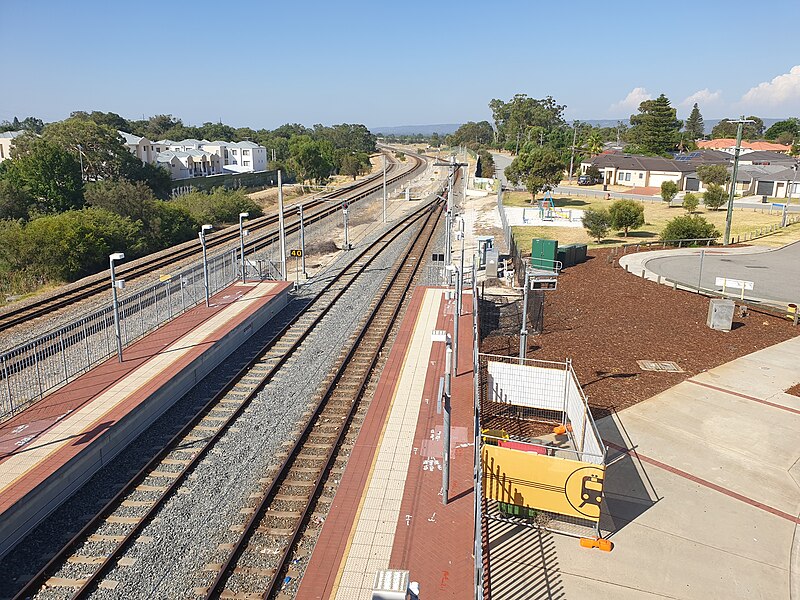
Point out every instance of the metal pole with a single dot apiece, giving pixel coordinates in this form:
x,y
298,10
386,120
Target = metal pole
x,y
446,427
205,263
729,217
384,187
700,275
572,155
523,332
241,242
346,236
459,275
282,228
115,302
303,241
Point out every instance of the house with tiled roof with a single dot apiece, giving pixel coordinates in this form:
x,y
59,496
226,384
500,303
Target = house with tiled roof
x,y
729,145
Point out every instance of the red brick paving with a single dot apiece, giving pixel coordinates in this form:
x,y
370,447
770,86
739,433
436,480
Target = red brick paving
x,y
436,543
87,387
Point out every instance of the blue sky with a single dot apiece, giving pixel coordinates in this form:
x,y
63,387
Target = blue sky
x,y
261,64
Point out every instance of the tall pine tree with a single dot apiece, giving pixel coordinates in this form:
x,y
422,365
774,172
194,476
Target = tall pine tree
x,y
655,130
694,124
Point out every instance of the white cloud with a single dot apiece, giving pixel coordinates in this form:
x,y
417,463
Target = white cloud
x,y
632,101
702,97
781,91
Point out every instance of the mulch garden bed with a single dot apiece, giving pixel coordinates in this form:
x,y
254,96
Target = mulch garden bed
x,y
606,320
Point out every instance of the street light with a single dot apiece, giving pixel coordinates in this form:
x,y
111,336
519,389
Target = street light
x,y
202,235
115,284
242,233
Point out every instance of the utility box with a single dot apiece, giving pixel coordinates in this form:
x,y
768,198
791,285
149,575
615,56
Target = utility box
x,y
544,253
390,584
720,314
492,261
580,253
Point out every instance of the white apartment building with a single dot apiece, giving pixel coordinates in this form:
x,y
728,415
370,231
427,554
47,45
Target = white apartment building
x,y
198,158
6,141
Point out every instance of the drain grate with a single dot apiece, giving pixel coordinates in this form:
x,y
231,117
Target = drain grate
x,y
665,366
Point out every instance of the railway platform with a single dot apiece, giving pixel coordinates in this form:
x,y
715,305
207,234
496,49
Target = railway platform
x,y
388,511
50,449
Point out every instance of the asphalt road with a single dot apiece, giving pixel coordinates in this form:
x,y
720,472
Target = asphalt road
x,y
775,274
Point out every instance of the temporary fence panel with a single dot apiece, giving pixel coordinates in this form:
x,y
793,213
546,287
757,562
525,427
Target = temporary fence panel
x,y
532,387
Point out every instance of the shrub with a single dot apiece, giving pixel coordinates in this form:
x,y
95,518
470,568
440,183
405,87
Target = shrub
x,y
219,207
715,196
690,202
669,189
626,214
688,228
597,223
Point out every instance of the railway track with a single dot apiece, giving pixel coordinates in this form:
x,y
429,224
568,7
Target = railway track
x,y
91,554
265,226
256,564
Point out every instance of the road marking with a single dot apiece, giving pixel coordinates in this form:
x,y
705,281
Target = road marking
x,y
705,483
745,396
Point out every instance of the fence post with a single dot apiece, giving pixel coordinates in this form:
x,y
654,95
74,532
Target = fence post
x,y
63,353
8,385
38,371
86,344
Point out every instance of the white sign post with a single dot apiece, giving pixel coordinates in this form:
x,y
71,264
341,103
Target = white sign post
x,y
734,283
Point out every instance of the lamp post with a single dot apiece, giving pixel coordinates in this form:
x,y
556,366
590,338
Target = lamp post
x,y
302,240
114,285
523,331
443,336
281,226
729,217
202,235
384,188
242,233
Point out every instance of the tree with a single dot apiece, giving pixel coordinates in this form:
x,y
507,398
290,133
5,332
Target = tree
x,y
15,200
688,228
594,143
122,197
594,173
728,129
522,116
655,129
790,126
473,134
716,174
714,197
597,223
31,124
51,175
690,202
539,170
626,214
695,127
669,189
354,164
485,167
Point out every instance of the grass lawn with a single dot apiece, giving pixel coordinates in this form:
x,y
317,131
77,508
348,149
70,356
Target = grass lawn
x,y
656,215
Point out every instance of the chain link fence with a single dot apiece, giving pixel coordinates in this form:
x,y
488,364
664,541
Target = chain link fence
x,y
30,371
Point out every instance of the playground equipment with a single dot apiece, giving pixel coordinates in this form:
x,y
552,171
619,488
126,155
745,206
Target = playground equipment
x,y
549,212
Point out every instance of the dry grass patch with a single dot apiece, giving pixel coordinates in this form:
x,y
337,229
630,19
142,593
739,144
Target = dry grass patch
x,y
656,215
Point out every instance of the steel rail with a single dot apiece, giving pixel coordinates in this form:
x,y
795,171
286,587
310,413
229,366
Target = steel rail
x,y
339,286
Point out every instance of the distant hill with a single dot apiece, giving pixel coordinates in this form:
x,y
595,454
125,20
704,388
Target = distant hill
x,y
708,123
445,129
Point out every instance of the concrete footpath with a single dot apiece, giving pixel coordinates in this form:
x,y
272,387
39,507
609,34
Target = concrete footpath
x,y
702,496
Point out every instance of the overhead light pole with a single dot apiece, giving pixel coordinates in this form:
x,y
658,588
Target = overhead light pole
x,y
302,240
453,166
738,149
202,236
443,336
242,233
384,187
116,284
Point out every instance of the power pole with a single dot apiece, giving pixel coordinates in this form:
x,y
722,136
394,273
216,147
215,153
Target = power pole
x,y
572,156
384,188
282,235
729,217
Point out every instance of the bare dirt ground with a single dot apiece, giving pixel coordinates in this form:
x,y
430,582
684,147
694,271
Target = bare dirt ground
x,y
605,320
